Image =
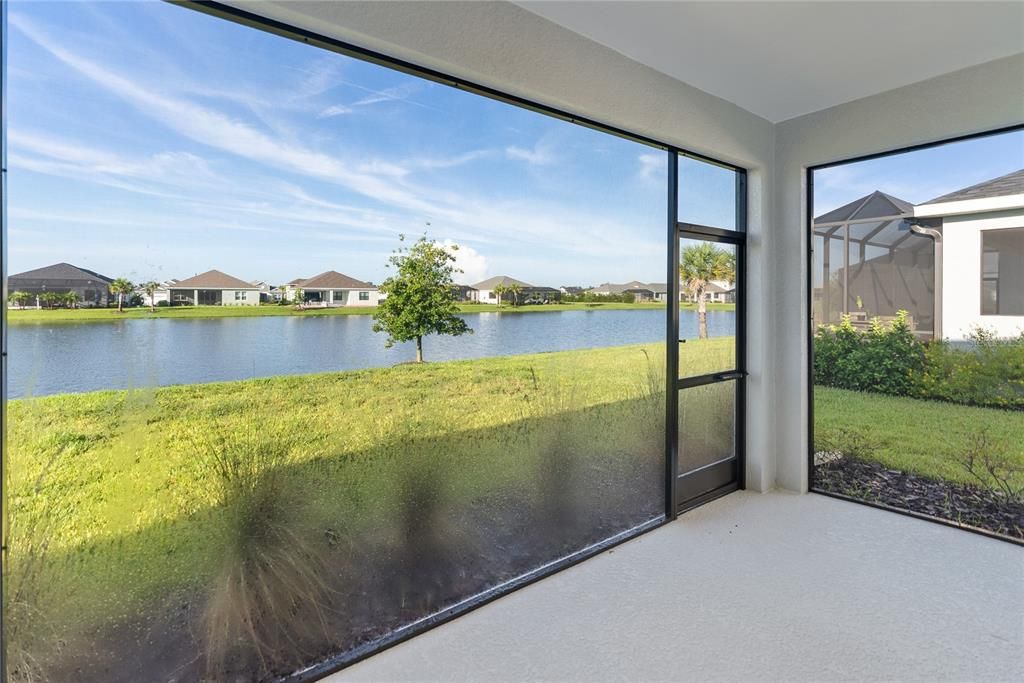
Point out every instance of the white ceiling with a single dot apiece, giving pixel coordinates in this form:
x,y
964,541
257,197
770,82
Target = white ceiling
x,y
784,59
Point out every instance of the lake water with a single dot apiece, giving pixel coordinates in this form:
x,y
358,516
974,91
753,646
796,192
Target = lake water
x,y
59,358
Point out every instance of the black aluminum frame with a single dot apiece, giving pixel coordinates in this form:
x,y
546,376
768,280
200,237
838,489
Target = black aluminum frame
x,y
672,507
809,309
732,470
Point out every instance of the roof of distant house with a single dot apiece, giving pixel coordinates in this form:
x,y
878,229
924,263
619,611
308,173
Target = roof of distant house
x,y
213,279
492,282
62,271
332,279
298,281
1011,183
875,205
632,286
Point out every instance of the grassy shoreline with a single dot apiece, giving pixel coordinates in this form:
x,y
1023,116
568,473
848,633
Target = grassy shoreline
x,y
83,315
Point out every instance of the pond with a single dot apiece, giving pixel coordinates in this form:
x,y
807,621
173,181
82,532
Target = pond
x,y
59,358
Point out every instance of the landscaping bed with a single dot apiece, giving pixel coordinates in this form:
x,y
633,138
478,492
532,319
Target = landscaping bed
x,y
961,504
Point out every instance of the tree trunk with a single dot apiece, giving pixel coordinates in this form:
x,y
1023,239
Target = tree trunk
x,y
152,303
702,314
419,349
120,302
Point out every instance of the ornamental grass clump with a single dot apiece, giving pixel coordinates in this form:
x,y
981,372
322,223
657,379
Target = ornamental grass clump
x,y
267,607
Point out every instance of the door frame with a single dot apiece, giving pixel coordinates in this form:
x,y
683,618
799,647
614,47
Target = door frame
x,y
734,469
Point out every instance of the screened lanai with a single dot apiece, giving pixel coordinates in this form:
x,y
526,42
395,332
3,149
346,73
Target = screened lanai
x,y
872,259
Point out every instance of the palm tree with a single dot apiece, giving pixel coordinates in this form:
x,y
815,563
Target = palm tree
x,y
49,299
71,299
19,299
515,289
150,287
698,266
121,286
499,290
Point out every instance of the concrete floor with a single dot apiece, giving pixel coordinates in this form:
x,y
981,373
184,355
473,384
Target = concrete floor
x,y
749,587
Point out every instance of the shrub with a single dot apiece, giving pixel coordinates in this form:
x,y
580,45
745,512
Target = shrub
x,y
883,359
989,373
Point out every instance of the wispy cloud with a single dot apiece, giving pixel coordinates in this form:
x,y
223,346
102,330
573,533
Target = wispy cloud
x,y
335,110
652,167
538,156
267,192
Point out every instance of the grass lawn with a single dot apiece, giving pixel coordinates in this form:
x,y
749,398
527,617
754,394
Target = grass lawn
x,y
117,488
19,316
924,437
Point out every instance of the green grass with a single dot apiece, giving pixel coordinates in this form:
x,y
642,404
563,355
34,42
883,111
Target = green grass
x,y
928,438
26,316
114,481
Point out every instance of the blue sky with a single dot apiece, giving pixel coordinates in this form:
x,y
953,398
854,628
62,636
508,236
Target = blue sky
x,y
151,141
148,140
919,176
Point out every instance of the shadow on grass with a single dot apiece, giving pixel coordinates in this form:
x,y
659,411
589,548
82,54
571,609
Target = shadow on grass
x,y
297,562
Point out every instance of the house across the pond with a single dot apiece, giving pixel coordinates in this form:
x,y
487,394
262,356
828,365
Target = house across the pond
x,y
641,291
213,288
332,289
92,288
520,292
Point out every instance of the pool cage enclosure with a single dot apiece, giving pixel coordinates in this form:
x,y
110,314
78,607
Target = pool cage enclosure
x,y
874,259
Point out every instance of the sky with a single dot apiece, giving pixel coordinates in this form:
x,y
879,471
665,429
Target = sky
x,y
150,141
922,175
147,140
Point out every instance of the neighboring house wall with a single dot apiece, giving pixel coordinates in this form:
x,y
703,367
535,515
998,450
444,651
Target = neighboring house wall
x,y
961,275
240,297
343,297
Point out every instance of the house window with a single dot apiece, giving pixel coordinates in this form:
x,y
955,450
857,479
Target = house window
x,y
1002,272
239,296
339,296
364,296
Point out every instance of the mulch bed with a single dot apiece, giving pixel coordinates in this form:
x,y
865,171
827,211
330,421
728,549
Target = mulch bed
x,y
965,505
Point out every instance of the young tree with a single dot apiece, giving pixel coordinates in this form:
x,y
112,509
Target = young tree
x,y
515,289
698,266
71,299
418,297
150,287
121,286
499,291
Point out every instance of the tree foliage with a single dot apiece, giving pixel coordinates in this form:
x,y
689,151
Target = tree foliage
x,y
419,297
121,286
699,264
150,287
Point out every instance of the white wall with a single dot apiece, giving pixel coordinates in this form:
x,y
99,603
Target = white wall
x,y
252,298
506,47
961,275
981,98
353,298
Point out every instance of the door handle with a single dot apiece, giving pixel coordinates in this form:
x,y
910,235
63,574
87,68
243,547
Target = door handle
x,y
735,374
